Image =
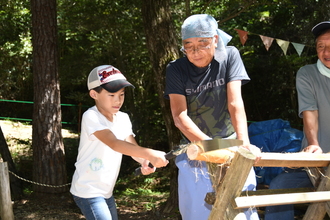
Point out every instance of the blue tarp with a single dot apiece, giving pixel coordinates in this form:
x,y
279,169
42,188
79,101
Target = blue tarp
x,y
273,136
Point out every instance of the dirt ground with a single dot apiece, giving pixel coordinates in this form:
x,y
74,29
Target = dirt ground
x,y
62,207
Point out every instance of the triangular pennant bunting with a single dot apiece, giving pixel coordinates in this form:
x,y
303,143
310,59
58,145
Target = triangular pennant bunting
x,y
243,36
267,41
283,44
299,47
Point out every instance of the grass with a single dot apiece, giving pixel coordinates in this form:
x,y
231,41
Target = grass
x,y
142,192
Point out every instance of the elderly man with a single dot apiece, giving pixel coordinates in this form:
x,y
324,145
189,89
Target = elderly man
x,y
204,88
313,83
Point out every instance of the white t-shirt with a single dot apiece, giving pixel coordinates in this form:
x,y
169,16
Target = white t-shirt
x,y
97,165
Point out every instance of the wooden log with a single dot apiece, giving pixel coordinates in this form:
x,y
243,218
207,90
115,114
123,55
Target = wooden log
x,y
5,198
260,192
210,197
282,199
300,159
231,187
225,155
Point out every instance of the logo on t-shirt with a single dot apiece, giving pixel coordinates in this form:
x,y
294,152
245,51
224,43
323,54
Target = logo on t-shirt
x,y
209,85
96,164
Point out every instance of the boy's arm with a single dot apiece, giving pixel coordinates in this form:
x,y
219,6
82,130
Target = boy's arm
x,y
145,169
132,140
157,158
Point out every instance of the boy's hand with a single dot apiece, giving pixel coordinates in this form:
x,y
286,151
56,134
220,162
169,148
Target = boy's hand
x,y
146,169
158,159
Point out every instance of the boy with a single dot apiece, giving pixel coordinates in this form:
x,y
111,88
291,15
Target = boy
x,y
106,134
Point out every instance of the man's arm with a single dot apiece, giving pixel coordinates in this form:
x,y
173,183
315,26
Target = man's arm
x,y
237,111
311,127
182,121
193,133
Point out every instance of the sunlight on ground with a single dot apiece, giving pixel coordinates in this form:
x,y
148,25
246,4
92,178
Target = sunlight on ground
x,y
24,131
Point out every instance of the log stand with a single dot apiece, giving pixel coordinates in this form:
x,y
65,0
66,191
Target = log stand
x,y
230,200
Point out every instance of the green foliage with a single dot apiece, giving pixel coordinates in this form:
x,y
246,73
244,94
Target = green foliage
x,y
92,33
27,191
15,46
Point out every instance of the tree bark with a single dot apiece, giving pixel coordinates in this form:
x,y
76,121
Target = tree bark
x,y
47,142
162,46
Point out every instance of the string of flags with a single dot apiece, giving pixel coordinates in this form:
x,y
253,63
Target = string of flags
x,y
267,41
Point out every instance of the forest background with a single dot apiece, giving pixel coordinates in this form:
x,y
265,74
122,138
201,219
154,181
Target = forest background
x,y
92,33
97,32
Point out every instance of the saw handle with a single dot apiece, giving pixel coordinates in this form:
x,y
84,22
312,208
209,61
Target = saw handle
x,y
168,156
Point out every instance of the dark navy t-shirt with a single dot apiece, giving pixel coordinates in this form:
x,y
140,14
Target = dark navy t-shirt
x,y
206,90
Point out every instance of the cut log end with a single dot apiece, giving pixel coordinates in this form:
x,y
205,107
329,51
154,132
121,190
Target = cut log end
x,y
193,151
221,156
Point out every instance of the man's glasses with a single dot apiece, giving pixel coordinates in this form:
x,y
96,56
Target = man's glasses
x,y
206,46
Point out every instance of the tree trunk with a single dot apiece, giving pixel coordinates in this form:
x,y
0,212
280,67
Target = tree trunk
x,y
15,183
162,46
47,142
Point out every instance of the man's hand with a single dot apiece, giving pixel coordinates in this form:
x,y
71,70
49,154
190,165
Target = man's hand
x,y
313,149
255,150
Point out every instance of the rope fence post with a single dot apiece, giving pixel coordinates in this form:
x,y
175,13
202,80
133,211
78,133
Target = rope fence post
x,y
6,208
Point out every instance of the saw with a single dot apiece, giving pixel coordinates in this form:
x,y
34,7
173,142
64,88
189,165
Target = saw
x,y
196,148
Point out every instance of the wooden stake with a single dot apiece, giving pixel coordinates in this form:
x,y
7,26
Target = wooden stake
x,y
316,211
232,186
6,210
